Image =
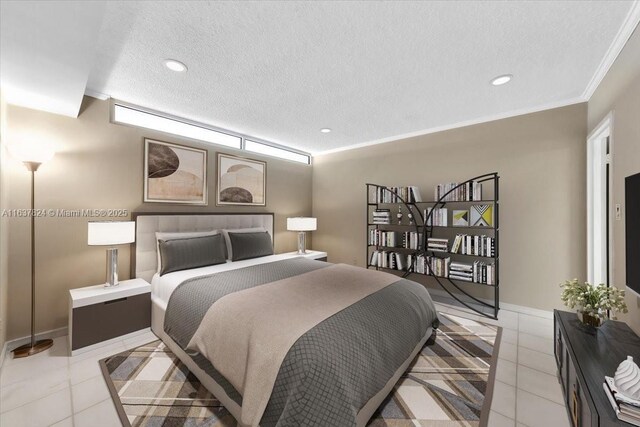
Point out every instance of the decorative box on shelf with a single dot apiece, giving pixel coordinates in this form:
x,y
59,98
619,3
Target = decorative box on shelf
x,y
98,313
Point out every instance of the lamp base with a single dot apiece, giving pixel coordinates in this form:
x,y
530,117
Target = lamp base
x,y
29,350
302,243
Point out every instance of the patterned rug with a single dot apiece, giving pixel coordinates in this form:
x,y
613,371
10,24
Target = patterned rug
x,y
450,383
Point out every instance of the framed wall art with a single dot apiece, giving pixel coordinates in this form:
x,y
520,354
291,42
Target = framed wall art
x,y
241,181
174,173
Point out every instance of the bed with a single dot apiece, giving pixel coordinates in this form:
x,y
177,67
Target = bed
x,y
279,339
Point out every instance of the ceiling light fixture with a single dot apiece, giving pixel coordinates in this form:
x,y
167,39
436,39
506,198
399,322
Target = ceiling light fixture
x,y
325,130
174,65
500,80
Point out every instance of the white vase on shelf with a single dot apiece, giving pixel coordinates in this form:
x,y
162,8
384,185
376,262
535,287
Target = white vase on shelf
x,y
627,379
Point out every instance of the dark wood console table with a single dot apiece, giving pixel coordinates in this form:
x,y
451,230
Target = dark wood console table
x,y
584,356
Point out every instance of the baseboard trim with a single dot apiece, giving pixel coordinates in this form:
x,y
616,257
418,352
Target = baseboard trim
x,y
10,345
503,306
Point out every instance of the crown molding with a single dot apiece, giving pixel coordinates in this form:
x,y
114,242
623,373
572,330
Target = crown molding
x,y
620,40
462,124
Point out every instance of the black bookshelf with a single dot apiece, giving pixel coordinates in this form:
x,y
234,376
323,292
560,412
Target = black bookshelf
x,y
456,288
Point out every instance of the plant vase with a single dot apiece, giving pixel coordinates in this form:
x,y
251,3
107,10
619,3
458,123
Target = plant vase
x,y
589,319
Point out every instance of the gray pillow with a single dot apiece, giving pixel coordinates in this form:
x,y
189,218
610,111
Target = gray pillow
x,y
192,252
250,245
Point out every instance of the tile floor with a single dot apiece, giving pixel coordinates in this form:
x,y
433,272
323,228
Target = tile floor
x,y
52,389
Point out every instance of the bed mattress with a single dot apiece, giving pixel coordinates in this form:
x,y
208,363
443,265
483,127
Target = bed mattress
x,y
333,372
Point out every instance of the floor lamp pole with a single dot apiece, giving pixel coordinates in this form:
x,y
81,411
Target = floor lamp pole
x,y
34,346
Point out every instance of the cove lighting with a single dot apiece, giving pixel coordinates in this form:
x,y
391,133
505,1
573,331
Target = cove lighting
x,y
500,80
325,130
270,150
174,65
135,117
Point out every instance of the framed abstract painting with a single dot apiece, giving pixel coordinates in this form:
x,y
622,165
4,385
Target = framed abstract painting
x,y
174,173
241,181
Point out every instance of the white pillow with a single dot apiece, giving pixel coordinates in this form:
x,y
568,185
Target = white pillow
x,y
226,232
179,235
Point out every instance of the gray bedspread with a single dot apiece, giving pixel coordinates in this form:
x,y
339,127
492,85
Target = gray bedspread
x,y
336,367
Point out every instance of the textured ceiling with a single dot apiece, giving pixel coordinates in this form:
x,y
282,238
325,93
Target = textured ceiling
x,y
370,71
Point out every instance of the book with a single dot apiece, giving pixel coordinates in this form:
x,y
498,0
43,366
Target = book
x,y
624,411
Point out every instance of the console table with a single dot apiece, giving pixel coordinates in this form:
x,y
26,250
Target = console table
x,y
584,356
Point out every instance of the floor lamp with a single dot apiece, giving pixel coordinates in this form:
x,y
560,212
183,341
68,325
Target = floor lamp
x,y
32,159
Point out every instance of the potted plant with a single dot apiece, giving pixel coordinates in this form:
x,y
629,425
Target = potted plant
x,y
592,302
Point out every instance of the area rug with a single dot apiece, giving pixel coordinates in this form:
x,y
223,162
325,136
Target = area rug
x,y
450,383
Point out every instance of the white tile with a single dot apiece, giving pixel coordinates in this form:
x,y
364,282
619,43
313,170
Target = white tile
x,y
508,352
83,371
534,411
506,372
540,384
23,392
509,336
67,422
88,393
504,399
34,366
536,326
101,415
43,412
536,360
98,353
139,340
534,342
507,319
498,420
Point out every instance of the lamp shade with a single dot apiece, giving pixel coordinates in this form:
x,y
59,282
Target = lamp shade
x,y
103,233
302,224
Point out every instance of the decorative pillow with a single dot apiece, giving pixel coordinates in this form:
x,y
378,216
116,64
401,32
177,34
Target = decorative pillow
x,y
191,252
160,235
237,231
250,245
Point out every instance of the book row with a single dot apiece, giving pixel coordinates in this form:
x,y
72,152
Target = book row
x,y
477,272
474,245
410,194
450,192
395,239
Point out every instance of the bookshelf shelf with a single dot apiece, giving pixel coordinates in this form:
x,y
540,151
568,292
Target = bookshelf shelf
x,y
479,228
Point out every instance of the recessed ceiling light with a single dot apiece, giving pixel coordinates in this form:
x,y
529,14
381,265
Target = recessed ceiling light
x,y
174,65
325,130
500,80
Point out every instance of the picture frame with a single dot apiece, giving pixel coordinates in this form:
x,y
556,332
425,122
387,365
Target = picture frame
x,y
174,173
241,181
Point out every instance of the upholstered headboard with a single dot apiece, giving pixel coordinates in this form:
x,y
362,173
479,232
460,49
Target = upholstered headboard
x,y
144,261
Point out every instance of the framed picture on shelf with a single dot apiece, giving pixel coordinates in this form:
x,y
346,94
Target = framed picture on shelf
x,y
174,173
241,181
461,218
482,215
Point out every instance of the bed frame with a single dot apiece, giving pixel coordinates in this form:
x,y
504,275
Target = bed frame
x,y
144,265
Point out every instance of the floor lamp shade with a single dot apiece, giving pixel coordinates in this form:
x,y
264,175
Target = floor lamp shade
x,y
111,233
301,225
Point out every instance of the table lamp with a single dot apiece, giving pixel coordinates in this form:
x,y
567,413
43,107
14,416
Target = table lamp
x,y
111,233
301,225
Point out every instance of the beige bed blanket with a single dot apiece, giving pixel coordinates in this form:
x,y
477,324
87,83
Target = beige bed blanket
x,y
247,334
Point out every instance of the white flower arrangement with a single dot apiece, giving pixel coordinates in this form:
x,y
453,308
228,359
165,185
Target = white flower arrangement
x,y
593,300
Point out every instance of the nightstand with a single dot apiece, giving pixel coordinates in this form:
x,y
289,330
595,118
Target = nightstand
x,y
98,313
317,255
